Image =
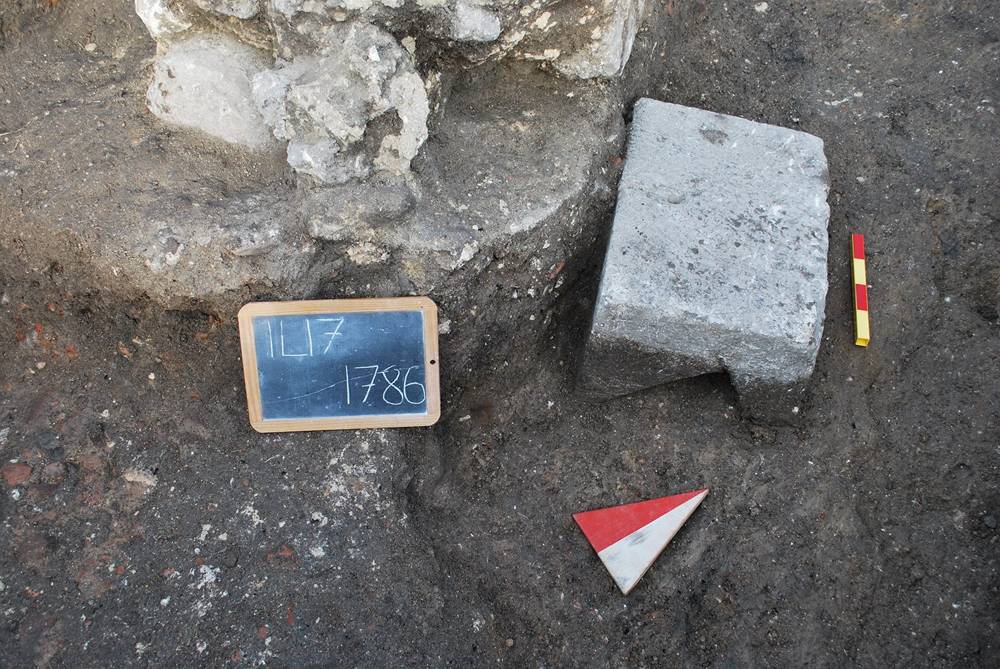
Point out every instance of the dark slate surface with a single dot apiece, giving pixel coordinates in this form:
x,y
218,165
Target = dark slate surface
x,y
341,364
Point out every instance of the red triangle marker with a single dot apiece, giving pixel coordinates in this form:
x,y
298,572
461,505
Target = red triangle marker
x,y
629,538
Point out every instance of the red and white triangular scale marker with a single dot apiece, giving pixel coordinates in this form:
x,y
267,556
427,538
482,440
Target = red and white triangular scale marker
x,y
628,538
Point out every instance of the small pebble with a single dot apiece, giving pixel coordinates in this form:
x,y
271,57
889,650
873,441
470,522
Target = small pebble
x,y
89,47
152,377
54,472
990,522
230,558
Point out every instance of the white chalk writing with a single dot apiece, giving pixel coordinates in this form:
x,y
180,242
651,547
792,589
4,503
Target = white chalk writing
x,y
300,342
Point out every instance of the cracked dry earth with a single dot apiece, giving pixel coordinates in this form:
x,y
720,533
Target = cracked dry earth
x,y
142,521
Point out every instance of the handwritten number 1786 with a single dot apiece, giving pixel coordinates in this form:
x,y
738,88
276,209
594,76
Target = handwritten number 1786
x,y
393,394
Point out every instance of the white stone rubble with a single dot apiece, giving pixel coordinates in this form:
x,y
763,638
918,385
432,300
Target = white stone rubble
x,y
160,19
328,79
203,82
473,23
606,54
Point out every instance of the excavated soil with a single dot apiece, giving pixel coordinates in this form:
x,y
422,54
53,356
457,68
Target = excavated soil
x,y
143,522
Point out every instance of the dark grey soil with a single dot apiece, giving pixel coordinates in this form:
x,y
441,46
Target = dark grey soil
x,y
867,535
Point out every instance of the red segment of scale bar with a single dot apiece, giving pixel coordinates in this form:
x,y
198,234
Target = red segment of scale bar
x,y
861,297
858,246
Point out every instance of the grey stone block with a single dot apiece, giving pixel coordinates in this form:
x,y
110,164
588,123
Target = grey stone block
x,y
716,261
203,82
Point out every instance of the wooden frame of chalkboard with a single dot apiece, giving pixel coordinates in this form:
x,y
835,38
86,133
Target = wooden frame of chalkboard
x,y
251,373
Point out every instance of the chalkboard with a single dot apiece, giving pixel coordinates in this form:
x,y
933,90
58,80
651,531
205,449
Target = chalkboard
x,y
340,364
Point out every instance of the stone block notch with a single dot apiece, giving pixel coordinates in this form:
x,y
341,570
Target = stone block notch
x,y
716,260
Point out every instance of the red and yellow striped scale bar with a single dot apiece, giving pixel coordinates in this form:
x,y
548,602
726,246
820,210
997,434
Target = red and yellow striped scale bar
x,y
861,326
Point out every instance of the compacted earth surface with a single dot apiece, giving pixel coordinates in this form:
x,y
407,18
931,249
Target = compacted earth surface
x,y
143,522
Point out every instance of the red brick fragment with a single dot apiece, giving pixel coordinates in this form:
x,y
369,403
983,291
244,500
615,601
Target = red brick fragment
x,y
15,474
284,556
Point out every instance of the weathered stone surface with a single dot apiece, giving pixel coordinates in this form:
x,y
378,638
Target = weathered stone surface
x,y
474,23
241,9
203,82
323,102
611,27
160,18
717,259
337,212
582,40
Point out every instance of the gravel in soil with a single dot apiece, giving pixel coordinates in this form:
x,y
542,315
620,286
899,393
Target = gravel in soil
x,y
143,522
